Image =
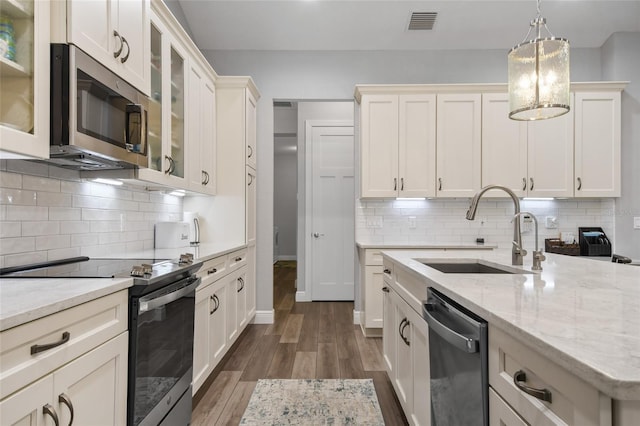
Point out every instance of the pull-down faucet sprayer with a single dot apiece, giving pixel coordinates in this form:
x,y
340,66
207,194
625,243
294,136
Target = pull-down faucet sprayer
x,y
517,252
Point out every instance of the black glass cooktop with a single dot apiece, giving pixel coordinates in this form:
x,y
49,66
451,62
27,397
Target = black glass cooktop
x,y
79,267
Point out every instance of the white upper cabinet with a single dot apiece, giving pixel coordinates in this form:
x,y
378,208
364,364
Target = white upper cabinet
x,y
550,156
24,81
597,144
115,33
397,145
458,146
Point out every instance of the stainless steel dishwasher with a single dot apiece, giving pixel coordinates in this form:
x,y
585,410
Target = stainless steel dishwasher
x,y
458,363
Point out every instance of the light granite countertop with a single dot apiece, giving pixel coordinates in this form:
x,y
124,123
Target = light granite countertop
x,y
27,299
426,246
582,314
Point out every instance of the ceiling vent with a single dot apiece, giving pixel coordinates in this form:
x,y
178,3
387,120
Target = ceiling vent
x,y
422,20
282,104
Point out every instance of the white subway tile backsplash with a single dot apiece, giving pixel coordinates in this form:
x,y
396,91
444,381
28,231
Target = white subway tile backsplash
x,y
35,228
17,197
30,168
10,229
76,188
65,213
11,180
64,253
52,199
96,214
25,258
48,242
37,183
82,240
75,227
17,245
26,213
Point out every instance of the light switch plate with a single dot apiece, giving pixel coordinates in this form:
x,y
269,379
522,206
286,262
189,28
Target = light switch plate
x,y
412,222
551,222
636,222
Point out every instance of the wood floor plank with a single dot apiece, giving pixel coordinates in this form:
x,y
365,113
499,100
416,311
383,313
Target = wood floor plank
x,y
209,408
279,322
370,353
260,361
291,332
326,323
351,368
308,339
346,342
287,302
304,366
327,366
282,361
389,404
243,351
237,404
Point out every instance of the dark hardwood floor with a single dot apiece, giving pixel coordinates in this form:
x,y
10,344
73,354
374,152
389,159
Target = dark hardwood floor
x,y
306,341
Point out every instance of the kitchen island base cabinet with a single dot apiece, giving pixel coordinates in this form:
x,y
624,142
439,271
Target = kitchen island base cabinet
x,y
406,355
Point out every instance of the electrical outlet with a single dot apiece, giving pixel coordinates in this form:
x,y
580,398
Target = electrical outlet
x,y
551,222
636,222
374,222
412,222
527,223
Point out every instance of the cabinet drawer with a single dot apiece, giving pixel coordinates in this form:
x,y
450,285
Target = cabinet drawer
x,y
373,257
213,269
88,326
237,259
500,414
573,401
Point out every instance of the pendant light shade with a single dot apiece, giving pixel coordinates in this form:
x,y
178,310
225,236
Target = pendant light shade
x,y
539,76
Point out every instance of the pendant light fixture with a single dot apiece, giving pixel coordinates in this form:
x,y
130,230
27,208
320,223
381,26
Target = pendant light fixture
x,y
539,75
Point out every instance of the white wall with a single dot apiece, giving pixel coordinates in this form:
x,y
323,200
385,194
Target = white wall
x,y
49,213
333,75
621,61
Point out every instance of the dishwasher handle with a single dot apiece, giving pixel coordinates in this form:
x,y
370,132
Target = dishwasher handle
x,y
463,343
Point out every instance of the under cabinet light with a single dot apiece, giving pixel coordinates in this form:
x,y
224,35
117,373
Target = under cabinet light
x,y
108,181
537,199
178,193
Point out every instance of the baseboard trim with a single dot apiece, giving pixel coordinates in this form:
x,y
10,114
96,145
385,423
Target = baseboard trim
x,y
356,317
288,257
264,317
301,296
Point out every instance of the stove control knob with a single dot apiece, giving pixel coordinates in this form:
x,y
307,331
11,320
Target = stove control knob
x,y
137,271
147,269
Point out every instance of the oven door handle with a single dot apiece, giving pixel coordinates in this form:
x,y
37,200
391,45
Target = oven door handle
x,y
165,299
463,343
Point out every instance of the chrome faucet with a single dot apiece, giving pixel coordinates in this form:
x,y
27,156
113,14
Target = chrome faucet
x,y
538,257
517,252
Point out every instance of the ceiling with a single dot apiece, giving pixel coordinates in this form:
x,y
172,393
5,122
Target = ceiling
x,y
382,25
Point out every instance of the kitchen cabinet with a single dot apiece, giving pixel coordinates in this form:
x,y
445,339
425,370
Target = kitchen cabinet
x,y
406,351
87,370
397,145
570,400
598,143
167,128
115,33
251,283
24,81
534,159
373,274
458,144
201,130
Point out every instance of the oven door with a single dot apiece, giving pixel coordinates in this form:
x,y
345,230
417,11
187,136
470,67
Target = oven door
x,y
161,352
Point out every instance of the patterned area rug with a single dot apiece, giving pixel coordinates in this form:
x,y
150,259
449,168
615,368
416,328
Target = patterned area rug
x,y
313,402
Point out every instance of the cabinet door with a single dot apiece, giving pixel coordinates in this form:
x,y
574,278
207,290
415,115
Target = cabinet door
x,y
251,206
156,128
597,144
404,359
218,323
25,407
91,26
379,146
202,333
231,307
95,385
250,282
241,290
504,147
500,414
421,371
458,145
24,82
388,332
175,87
550,156
133,26
417,146
250,129
374,281
208,137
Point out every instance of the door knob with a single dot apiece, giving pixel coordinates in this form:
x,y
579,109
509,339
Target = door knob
x,y
317,235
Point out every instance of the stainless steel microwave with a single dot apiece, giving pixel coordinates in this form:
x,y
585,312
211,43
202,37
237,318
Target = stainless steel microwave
x,y
98,120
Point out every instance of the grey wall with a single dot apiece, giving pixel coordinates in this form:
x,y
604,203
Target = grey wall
x,y
333,75
176,10
284,199
621,61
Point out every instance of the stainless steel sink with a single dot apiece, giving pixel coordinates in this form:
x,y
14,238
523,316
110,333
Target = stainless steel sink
x,y
470,267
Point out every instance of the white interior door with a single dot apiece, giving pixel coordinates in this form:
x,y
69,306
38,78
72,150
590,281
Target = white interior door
x,y
331,222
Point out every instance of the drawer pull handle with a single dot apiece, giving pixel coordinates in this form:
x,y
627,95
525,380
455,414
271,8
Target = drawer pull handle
x,y
238,259
51,412
64,399
395,184
41,348
524,184
385,289
241,281
212,271
387,271
531,187
216,304
579,184
402,327
520,377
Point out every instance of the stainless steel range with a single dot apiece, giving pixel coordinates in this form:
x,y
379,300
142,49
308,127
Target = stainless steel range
x,y
161,311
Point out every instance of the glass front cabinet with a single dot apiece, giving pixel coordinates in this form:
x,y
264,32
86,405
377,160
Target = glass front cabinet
x,y
24,78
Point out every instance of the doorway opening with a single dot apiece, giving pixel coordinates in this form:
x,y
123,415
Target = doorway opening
x,y
293,159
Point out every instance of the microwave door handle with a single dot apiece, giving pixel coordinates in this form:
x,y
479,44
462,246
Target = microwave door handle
x,y
134,127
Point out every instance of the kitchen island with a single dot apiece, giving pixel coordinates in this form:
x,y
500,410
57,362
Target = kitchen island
x,y
582,315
